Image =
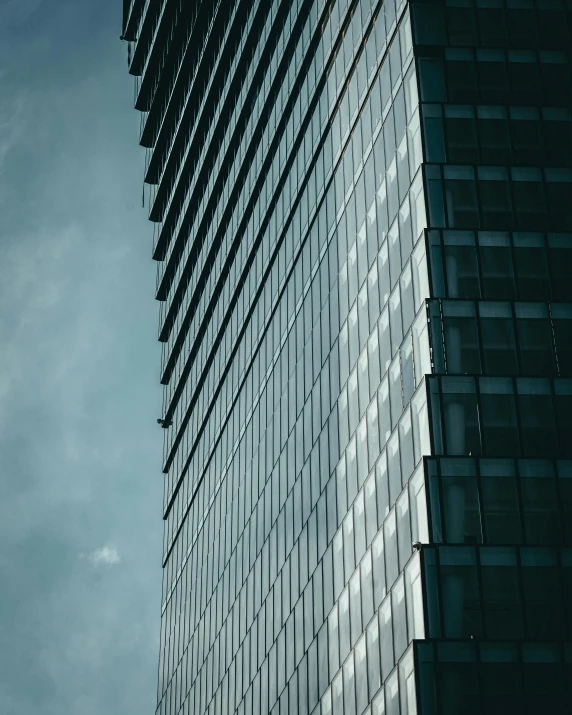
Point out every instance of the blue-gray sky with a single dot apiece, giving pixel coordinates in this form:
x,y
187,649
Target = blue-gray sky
x,y
80,478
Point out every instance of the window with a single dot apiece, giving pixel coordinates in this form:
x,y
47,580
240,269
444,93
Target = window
x,y
498,417
461,338
496,266
535,339
461,132
496,207
502,606
461,197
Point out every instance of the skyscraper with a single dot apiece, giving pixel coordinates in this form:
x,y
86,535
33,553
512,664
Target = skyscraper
x,y
363,236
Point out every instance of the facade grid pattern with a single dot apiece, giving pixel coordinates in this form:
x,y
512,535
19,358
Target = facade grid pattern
x,y
363,236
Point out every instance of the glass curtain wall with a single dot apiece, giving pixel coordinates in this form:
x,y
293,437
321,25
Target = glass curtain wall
x,y
363,236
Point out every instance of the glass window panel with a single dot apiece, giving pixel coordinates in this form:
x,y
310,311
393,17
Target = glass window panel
x,y
539,500
462,275
498,339
461,77
542,594
366,576
461,197
501,512
382,487
559,256
461,132
349,686
386,637
333,640
344,623
373,432
562,327
349,548
394,467
502,605
355,606
403,528
384,412
460,593
534,339
498,417
461,507
399,617
563,409
338,558
532,277
493,130
395,390
390,547
461,338
460,416
537,425
421,354
392,694
495,201
434,134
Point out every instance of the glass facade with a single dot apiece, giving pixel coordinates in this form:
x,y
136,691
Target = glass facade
x,y
363,236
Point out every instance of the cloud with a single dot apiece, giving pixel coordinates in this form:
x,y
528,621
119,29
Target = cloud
x,y
15,12
12,125
107,555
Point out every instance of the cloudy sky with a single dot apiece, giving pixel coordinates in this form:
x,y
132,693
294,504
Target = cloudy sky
x,y
80,480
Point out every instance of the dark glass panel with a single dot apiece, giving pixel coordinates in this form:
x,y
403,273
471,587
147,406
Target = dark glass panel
x,y
462,275
460,594
428,24
460,416
501,510
498,339
493,77
556,79
457,689
461,133
434,137
461,197
525,81
542,595
461,77
461,338
494,194
544,686
492,24
557,128
502,688
538,431
461,24
552,25
558,192
526,136
528,196
461,503
522,24
431,79
532,278
563,408
560,260
498,418
494,135
534,339
496,266
565,491
501,594
539,502
562,327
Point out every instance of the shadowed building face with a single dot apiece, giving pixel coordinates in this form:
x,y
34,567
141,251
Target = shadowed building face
x,y
363,238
